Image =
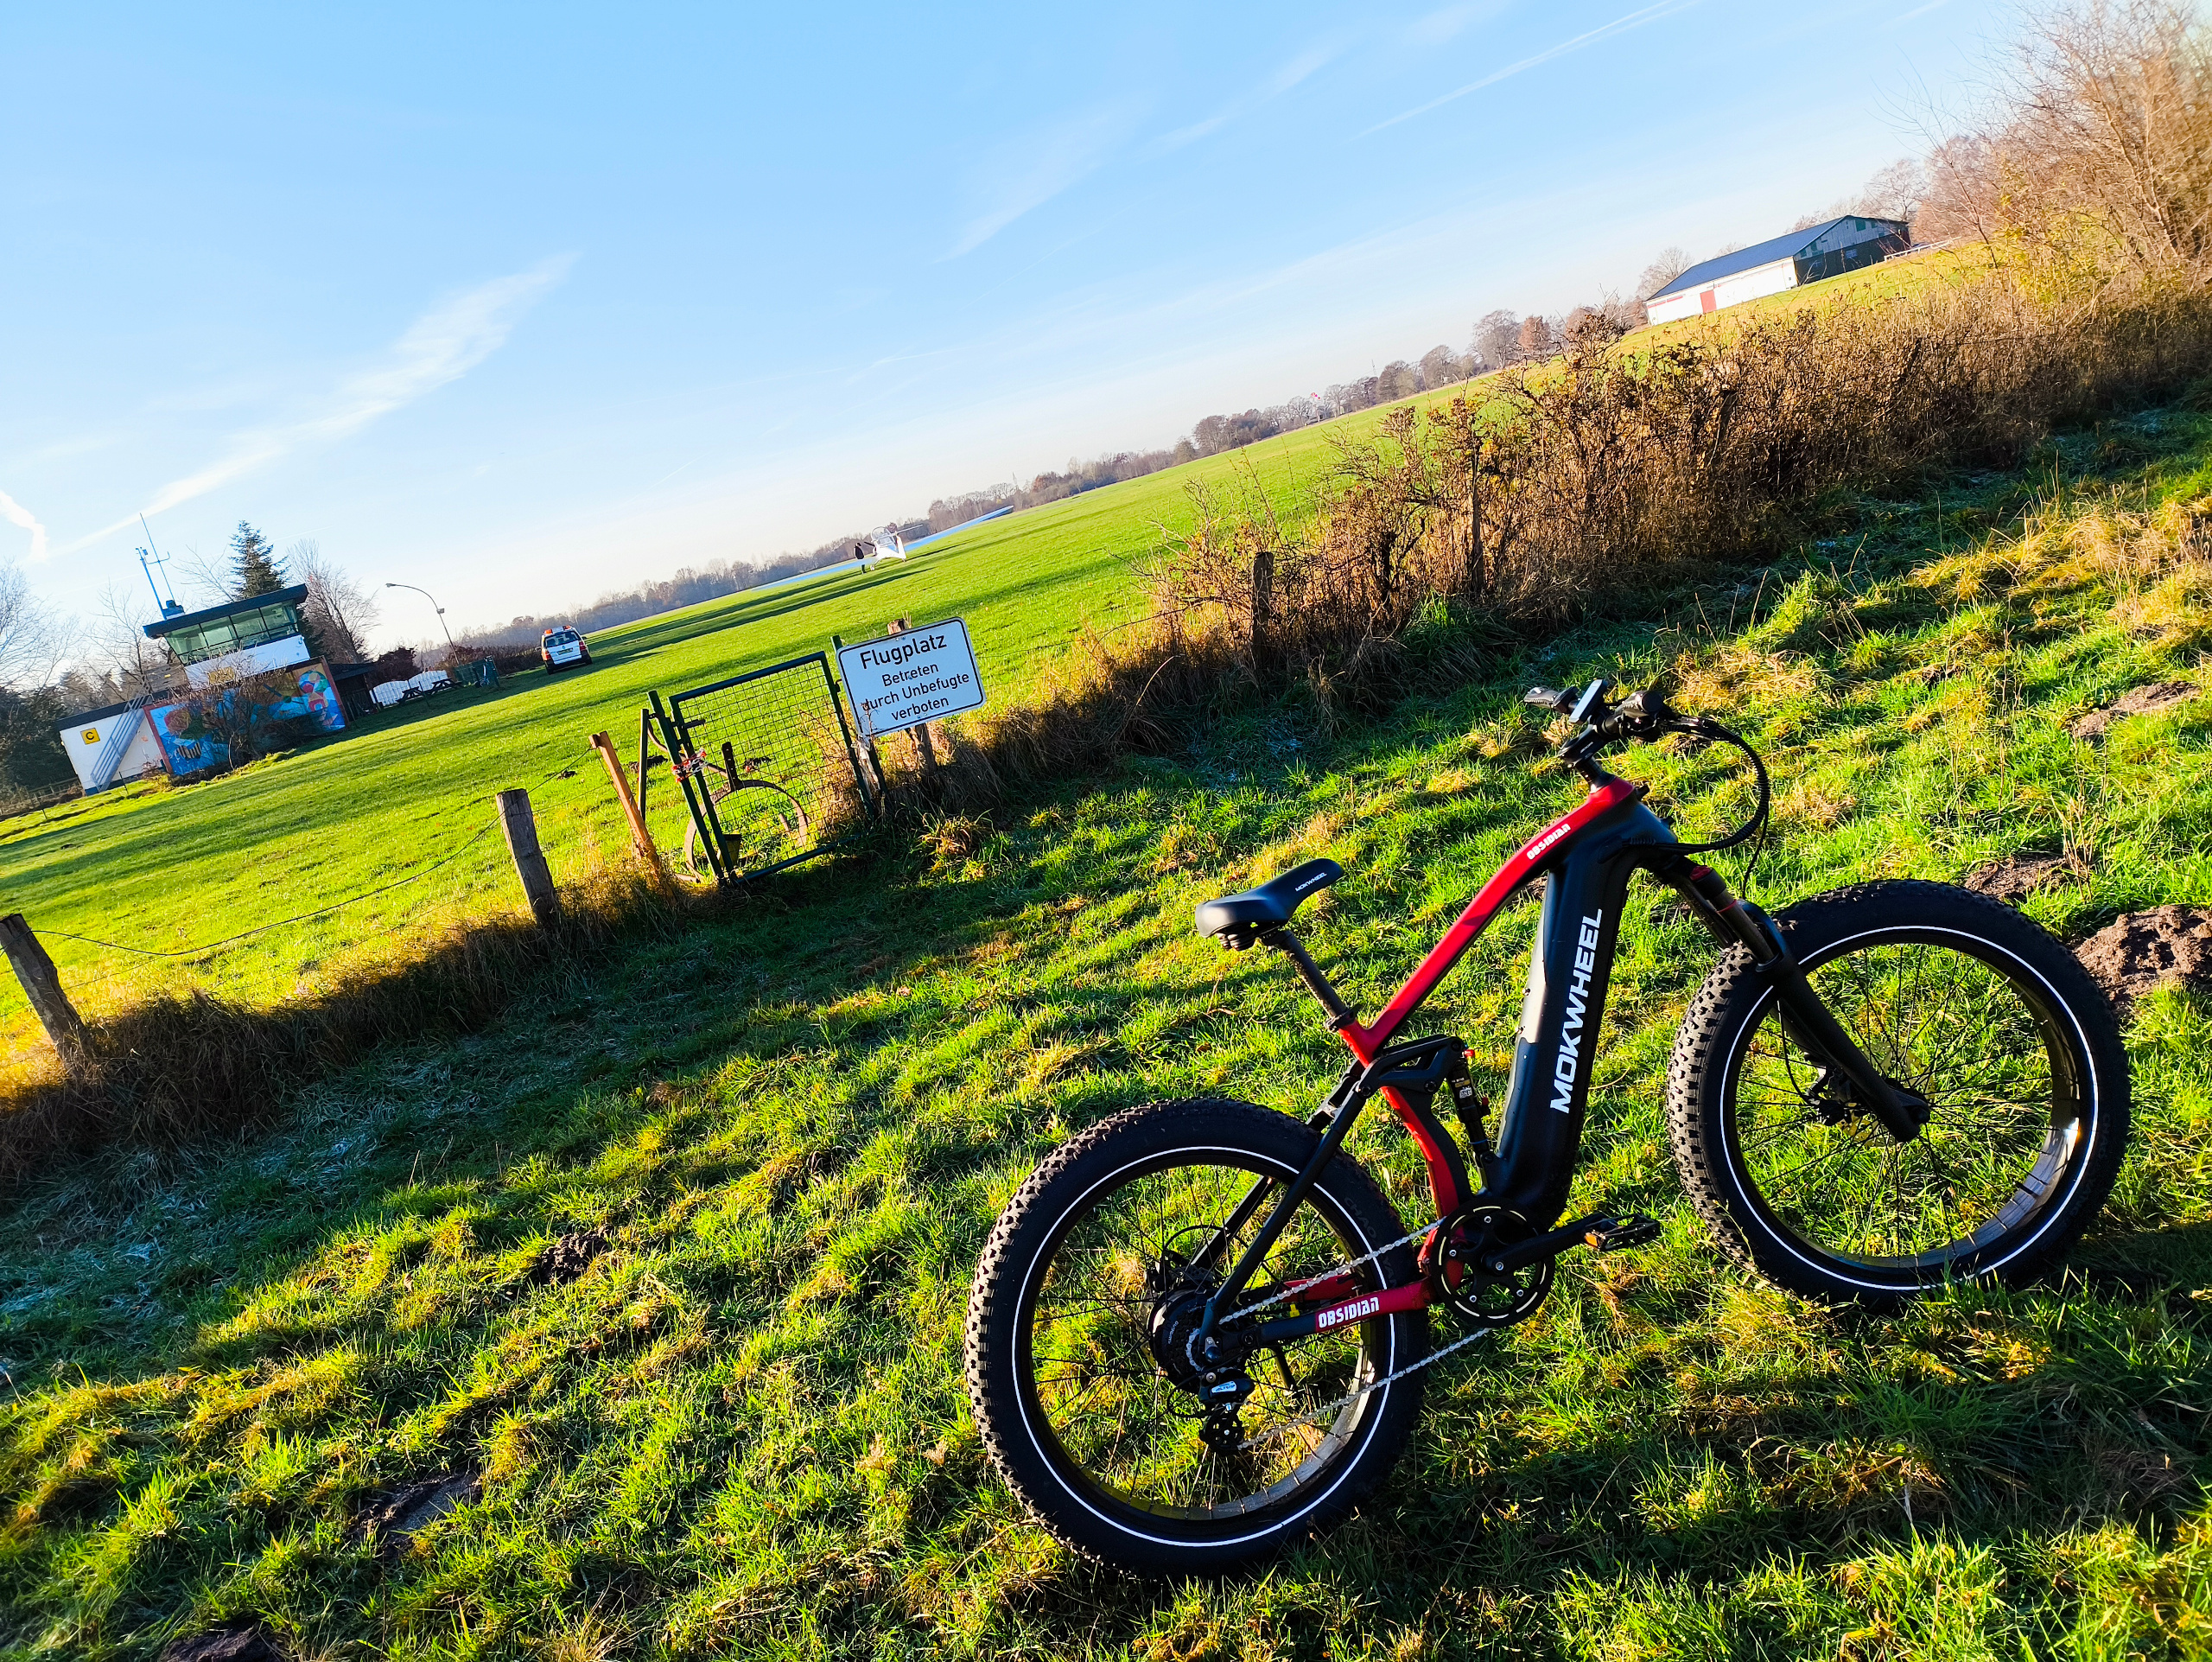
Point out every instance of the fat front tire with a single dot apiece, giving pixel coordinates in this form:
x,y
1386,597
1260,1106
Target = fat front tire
x,y
1954,997
1076,1407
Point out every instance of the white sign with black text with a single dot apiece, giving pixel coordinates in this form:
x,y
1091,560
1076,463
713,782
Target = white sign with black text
x,y
903,680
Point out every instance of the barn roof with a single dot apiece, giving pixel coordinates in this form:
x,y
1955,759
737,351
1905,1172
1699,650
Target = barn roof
x,y
1785,247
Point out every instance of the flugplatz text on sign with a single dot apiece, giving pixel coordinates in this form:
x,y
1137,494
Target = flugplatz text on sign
x,y
903,680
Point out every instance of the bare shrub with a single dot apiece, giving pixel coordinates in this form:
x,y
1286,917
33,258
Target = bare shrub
x,y
2103,150
1612,474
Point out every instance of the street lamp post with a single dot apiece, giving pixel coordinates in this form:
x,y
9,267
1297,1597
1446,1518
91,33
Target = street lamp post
x,y
441,610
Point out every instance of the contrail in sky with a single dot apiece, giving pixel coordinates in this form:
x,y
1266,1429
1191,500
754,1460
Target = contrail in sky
x,y
1590,37
441,346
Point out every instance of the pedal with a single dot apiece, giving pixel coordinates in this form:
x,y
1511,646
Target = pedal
x,y
1634,1230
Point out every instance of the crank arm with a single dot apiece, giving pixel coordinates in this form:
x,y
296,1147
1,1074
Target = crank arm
x,y
1601,1232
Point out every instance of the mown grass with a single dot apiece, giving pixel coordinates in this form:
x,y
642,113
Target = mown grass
x,y
741,1431
167,869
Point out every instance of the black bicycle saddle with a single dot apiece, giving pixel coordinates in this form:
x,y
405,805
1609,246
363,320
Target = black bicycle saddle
x,y
1243,917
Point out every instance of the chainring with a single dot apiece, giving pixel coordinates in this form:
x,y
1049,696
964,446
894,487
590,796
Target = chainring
x,y
1460,1243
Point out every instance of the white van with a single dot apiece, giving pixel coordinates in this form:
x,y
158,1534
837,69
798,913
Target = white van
x,y
561,648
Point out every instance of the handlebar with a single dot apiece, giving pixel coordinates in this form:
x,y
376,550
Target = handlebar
x,y
1644,715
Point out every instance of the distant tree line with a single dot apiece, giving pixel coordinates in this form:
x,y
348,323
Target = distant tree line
x,y
1942,197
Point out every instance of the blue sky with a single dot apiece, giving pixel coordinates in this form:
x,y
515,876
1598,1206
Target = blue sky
x,y
524,304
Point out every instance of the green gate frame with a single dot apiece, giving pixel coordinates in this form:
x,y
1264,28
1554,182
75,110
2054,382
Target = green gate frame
x,y
676,737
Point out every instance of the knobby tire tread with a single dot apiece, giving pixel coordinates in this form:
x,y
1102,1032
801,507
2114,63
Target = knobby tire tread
x,y
1695,1076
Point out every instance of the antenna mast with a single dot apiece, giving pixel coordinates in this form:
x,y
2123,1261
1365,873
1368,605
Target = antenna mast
x,y
147,564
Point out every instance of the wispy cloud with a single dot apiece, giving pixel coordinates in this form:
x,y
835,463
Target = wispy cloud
x,y
17,515
1441,25
1621,25
1025,176
1298,69
441,346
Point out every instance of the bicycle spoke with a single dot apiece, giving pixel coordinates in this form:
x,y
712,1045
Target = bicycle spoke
x,y
1949,1028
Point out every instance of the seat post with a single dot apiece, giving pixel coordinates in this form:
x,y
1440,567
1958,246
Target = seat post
x,y
1310,972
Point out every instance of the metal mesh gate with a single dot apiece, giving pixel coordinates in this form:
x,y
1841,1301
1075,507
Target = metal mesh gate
x,y
767,767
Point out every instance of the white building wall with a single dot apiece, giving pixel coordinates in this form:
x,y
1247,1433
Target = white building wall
x,y
1849,234
83,740
247,661
1732,290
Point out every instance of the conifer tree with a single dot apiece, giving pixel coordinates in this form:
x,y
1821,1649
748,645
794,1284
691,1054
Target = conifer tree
x,y
255,569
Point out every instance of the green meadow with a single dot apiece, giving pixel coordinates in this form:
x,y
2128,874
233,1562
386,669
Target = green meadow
x,y
733,1425
171,868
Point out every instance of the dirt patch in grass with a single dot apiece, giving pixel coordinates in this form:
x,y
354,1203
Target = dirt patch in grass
x,y
2144,950
2016,877
2138,701
563,1260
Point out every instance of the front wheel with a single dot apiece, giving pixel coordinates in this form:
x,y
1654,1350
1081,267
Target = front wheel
x,y
1957,999
1078,1355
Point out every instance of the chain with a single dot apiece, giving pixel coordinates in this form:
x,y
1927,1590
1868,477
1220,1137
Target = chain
x,y
1297,1287
1331,1410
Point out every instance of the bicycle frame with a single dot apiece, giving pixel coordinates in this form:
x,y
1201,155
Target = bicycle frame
x,y
1587,857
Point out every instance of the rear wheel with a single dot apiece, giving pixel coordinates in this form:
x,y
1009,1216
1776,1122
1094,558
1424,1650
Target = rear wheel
x,y
1078,1370
1961,1000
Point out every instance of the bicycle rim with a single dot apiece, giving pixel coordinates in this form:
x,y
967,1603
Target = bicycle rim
x,y
1100,1398
1971,1031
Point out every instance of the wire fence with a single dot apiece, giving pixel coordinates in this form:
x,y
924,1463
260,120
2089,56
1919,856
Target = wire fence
x,y
276,956
1020,648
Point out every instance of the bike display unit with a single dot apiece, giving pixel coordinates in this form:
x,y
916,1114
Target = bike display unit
x,y
1199,1331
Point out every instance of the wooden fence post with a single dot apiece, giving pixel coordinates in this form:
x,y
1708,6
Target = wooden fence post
x,y
640,838
515,820
1264,594
43,988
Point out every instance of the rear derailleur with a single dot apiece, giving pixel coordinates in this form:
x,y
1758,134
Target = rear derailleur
x,y
1211,1370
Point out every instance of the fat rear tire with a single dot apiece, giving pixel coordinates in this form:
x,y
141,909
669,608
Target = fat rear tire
x,y
2064,1178
1096,1522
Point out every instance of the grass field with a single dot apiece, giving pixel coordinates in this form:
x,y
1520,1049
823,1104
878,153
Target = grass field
x,y
167,869
170,867
741,1431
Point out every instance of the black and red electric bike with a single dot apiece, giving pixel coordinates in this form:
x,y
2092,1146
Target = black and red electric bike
x,y
1198,1332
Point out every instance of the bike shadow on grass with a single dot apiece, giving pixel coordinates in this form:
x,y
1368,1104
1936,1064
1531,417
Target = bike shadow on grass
x,y
1985,1418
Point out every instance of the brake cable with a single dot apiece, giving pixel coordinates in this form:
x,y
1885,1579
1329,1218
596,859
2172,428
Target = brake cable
x,y
1705,727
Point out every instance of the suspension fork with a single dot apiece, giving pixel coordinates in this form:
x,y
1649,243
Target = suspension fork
x,y
1730,920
